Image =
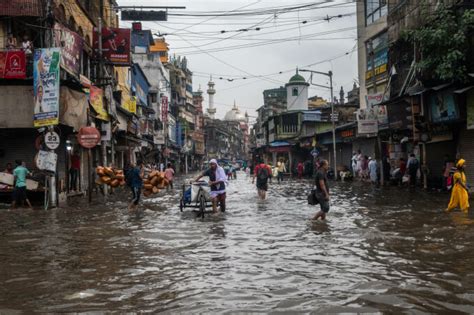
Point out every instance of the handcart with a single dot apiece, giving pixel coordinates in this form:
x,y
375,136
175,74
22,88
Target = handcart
x,y
196,195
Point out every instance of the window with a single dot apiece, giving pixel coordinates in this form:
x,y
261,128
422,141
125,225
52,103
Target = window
x,y
294,92
374,10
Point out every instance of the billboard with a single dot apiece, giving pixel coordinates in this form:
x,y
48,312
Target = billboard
x,y
12,64
367,122
443,107
115,45
71,48
140,15
46,86
373,101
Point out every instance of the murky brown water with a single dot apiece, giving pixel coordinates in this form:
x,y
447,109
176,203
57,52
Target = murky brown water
x,y
380,251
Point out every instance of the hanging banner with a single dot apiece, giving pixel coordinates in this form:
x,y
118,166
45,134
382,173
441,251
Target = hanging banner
x,y
96,98
71,48
46,86
367,122
115,45
164,109
130,105
12,64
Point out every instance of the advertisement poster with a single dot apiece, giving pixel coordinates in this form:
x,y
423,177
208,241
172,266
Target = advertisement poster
x,y
470,109
367,122
373,101
96,98
115,45
164,109
131,105
12,64
46,86
71,48
443,107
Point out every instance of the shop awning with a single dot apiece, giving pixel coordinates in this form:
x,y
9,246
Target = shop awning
x,y
279,144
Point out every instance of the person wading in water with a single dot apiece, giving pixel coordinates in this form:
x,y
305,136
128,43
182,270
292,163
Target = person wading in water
x,y
322,190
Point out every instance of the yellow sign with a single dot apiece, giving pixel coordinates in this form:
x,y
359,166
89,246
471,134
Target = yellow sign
x,y
378,70
46,122
96,98
130,105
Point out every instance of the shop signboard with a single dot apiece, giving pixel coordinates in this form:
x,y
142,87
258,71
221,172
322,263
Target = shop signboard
x,y
130,105
88,137
164,109
12,64
367,122
443,107
470,109
52,140
71,48
96,98
46,86
115,45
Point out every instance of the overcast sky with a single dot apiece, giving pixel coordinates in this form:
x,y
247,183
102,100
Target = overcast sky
x,y
284,42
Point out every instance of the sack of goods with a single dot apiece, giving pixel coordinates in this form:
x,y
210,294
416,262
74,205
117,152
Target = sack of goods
x,y
110,176
154,183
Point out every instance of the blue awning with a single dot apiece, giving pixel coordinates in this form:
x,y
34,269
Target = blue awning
x,y
279,144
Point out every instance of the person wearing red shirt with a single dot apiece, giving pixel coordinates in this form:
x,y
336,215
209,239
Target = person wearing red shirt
x,y
262,172
74,171
300,169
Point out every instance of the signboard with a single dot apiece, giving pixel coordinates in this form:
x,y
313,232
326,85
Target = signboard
x,y
373,101
52,140
140,15
164,109
71,48
470,109
367,121
443,107
96,98
130,105
46,86
88,137
46,161
12,64
115,45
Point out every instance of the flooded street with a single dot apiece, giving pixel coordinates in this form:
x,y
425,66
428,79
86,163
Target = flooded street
x,y
388,250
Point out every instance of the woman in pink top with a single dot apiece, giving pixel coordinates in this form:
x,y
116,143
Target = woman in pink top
x,y
169,175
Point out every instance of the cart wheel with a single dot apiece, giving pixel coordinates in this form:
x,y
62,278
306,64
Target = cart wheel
x,y
202,206
181,204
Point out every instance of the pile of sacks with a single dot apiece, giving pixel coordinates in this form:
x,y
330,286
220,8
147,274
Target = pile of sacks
x,y
110,176
154,183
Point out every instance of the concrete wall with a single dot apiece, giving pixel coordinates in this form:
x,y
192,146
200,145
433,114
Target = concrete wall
x,y
299,102
16,106
364,33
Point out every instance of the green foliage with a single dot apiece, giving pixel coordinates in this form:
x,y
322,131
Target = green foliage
x,y
444,43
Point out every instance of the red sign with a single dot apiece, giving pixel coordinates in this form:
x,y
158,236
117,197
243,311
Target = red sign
x,y
115,45
347,133
164,109
88,137
12,64
279,149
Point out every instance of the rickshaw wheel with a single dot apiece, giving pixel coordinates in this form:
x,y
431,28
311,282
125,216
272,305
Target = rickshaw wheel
x,y
202,206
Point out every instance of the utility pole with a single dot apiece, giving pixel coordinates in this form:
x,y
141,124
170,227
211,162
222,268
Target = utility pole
x,y
103,144
333,116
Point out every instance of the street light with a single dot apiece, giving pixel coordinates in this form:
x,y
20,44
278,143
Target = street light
x,y
328,74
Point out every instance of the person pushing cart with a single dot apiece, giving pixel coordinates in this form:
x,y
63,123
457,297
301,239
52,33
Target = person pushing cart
x,y
217,181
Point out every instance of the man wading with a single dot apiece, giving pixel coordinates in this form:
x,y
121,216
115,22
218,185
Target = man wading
x,y
217,180
262,172
322,190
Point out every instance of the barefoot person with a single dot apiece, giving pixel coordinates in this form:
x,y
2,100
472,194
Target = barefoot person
x,y
459,194
217,180
322,190
169,175
19,192
262,172
135,178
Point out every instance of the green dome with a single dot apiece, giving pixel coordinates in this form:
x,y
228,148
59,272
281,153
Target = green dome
x,y
297,79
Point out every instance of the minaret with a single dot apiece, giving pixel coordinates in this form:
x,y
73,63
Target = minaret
x,y
341,95
211,91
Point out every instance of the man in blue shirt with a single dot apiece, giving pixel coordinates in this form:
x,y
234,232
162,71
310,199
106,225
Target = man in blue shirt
x,y
19,192
135,179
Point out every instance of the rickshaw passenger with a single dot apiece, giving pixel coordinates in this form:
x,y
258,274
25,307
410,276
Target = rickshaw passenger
x,y
217,180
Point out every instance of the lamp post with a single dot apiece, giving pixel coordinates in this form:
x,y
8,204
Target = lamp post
x,y
333,118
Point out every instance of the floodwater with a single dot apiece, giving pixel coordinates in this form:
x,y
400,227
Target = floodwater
x,y
390,250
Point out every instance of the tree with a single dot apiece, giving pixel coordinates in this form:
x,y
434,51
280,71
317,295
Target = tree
x,y
444,43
